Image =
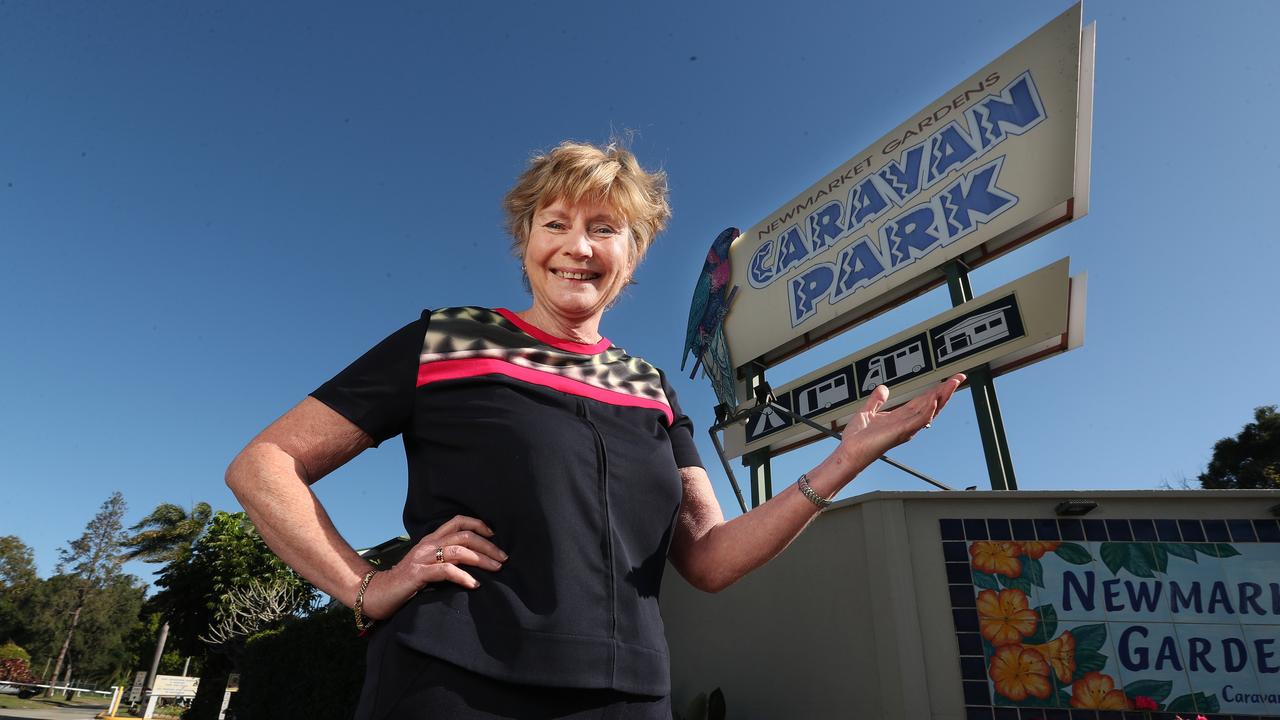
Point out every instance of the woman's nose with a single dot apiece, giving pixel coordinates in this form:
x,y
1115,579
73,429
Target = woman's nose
x,y
579,244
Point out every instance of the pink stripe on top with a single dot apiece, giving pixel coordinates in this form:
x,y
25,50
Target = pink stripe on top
x,y
555,342
472,367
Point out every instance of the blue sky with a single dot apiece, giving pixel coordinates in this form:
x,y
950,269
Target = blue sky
x,y
207,210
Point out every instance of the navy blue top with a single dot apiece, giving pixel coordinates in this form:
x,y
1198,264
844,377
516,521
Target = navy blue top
x,y
570,453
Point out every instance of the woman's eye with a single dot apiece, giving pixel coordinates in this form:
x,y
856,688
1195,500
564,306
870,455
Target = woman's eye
x,y
604,230
554,225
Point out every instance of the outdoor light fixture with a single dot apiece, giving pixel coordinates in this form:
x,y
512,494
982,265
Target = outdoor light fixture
x,y
1076,507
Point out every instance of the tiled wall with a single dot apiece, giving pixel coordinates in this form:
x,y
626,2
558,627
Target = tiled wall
x,y
958,533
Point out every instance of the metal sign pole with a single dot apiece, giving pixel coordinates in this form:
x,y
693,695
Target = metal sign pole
x,y
757,462
995,444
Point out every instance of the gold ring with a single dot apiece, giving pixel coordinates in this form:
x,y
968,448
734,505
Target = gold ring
x,y
440,554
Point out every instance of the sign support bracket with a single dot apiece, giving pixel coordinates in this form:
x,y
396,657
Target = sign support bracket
x,y
758,464
840,436
728,470
995,443
765,399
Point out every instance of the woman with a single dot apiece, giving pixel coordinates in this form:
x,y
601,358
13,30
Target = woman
x,y
530,433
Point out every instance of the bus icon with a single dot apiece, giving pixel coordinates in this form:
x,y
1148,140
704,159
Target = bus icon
x,y
884,369
974,332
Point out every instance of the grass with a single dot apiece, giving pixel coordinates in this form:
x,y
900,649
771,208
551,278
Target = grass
x,y
13,702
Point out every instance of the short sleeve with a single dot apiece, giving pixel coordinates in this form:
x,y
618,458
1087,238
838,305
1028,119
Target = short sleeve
x,y
376,392
680,431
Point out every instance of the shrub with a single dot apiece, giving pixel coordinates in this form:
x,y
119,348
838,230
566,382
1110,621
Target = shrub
x,y
12,651
15,670
274,686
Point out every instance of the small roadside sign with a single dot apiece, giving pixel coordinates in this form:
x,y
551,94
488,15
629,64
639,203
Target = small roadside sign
x,y
175,686
135,692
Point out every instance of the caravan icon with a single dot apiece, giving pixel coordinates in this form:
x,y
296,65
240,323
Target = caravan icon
x,y
974,332
823,395
886,368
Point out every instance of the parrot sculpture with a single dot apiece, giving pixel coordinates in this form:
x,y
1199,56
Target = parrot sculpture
x,y
704,337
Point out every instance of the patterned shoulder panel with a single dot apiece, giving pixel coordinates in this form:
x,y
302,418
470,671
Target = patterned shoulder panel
x,y
470,342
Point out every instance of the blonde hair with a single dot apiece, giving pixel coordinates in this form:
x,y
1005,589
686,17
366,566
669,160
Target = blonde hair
x,y
574,172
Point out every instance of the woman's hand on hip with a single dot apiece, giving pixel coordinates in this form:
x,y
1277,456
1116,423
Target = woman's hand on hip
x,y
436,558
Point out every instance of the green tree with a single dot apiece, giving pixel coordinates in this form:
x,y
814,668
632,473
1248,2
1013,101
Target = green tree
x,y
17,581
197,592
91,563
1251,459
166,535
229,556
100,649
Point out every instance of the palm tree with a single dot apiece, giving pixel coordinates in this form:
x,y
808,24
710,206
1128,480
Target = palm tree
x,y
167,535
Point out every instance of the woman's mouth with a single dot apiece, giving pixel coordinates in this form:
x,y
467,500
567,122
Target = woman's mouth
x,y
575,274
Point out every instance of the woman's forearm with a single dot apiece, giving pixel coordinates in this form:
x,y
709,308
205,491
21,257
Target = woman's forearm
x,y
270,485
726,551
713,554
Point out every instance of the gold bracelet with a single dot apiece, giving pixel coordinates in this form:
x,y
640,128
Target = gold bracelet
x,y
810,493
363,623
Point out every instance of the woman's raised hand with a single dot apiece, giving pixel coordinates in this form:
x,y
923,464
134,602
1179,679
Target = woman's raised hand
x,y
872,432
436,558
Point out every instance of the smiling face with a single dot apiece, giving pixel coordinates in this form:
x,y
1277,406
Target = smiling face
x,y
578,258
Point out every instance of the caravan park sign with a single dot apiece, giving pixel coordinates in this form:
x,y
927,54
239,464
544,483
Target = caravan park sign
x,y
992,164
